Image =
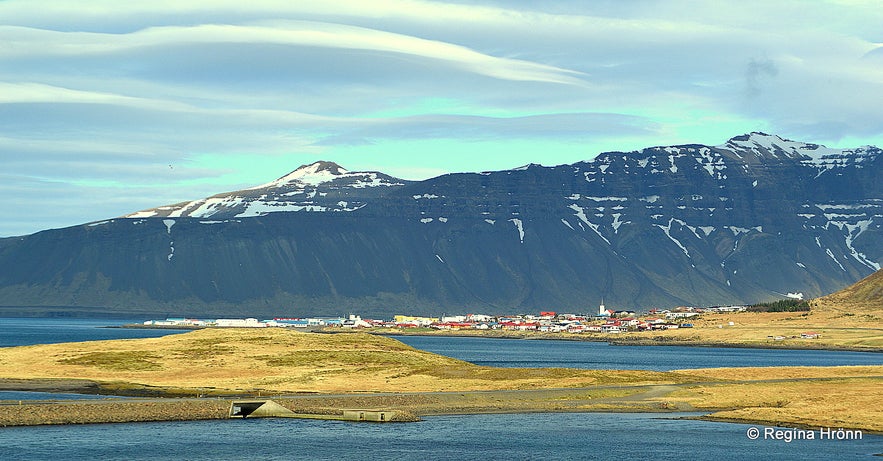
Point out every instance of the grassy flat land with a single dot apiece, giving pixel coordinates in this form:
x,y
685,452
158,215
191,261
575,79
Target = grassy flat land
x,y
838,330
835,397
361,370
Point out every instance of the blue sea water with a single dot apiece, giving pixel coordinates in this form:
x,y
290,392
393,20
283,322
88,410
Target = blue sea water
x,y
597,355
569,436
484,351
27,331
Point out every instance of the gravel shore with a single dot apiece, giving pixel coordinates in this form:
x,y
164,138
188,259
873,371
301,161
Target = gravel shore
x,y
109,411
407,406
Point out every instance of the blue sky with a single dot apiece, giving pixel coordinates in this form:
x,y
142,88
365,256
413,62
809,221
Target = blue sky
x,y
110,107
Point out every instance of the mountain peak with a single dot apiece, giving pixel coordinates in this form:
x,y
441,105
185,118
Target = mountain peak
x,y
765,145
323,165
313,174
759,138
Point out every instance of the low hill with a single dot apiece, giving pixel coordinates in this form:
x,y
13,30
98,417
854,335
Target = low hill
x,y
257,361
859,305
865,294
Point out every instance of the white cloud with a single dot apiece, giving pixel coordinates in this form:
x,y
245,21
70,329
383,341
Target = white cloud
x,y
291,33
104,92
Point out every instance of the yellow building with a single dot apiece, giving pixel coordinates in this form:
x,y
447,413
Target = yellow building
x,y
417,320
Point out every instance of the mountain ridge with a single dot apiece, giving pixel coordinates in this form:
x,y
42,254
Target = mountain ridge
x,y
762,145
741,222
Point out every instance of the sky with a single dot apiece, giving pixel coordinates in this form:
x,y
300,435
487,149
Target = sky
x,y
110,107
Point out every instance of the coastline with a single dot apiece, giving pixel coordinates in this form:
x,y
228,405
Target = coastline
x,y
628,341
658,340
410,407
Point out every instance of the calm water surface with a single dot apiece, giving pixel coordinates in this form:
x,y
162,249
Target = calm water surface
x,y
595,355
484,351
23,332
486,437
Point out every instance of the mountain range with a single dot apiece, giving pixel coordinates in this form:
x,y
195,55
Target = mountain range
x,y
754,219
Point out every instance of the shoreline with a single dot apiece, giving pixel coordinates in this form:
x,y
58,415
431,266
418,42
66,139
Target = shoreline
x,y
534,336
410,406
633,341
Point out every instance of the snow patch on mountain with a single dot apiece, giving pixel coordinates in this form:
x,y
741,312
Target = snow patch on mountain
x,y
581,214
766,145
312,174
317,187
520,226
822,158
667,229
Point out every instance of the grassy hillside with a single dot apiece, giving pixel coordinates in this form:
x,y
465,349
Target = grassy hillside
x,y
866,294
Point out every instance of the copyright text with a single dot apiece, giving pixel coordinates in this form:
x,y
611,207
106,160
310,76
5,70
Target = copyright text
x,y
790,435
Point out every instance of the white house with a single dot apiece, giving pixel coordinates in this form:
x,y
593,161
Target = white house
x,y
680,315
240,323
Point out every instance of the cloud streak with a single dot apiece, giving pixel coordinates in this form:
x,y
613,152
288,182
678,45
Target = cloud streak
x,y
97,100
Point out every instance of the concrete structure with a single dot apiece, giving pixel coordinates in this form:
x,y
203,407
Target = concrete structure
x,y
259,409
270,409
377,416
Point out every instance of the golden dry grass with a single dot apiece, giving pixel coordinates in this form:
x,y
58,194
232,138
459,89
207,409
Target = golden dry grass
x,y
837,329
834,397
846,403
274,360
780,373
864,295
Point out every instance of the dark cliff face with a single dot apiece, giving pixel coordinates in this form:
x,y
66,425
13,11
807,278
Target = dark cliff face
x,y
754,219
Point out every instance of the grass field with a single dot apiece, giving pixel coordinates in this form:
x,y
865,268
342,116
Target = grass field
x,y
836,330
275,360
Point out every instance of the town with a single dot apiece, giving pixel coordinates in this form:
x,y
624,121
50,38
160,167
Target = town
x,y
605,321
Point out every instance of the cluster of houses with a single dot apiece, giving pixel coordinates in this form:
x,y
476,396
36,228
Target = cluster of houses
x,y
605,321
545,322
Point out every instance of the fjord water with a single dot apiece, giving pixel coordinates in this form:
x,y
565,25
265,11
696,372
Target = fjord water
x,y
481,351
28,331
485,351
511,437
598,355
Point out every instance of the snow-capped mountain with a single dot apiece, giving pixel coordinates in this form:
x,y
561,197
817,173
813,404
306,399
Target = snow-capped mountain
x,y
320,186
752,219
